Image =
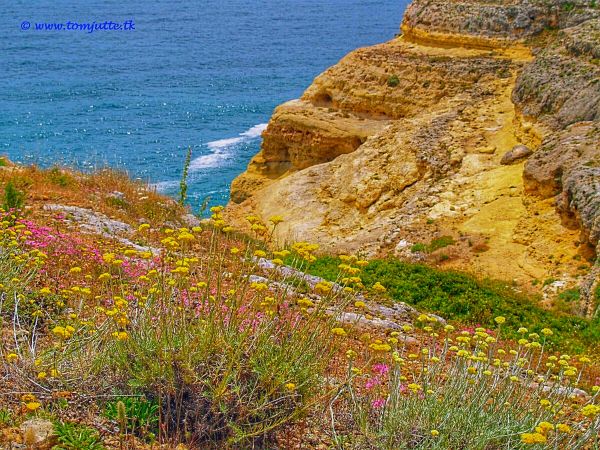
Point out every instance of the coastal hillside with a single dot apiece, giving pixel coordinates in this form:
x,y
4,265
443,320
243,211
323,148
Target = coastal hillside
x,y
469,141
129,323
409,263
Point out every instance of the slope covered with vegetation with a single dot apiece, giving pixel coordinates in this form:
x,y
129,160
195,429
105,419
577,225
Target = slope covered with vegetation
x,y
128,323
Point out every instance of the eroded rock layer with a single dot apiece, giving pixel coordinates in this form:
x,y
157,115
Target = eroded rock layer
x,y
403,142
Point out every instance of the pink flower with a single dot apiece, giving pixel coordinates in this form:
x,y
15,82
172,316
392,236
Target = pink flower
x,y
378,403
380,369
372,382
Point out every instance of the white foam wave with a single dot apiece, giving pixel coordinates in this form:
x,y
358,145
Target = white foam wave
x,y
255,131
163,186
221,149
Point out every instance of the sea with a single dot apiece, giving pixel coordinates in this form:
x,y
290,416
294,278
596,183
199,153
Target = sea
x,y
134,84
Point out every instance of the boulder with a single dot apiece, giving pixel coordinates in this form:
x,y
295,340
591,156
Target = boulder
x,y
39,434
517,153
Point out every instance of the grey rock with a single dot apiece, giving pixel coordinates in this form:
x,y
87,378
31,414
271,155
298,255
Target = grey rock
x,y
517,153
97,223
190,220
510,19
567,165
560,86
39,433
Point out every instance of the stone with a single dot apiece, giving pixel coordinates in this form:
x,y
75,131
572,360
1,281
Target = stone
x,y
38,433
516,154
97,223
489,150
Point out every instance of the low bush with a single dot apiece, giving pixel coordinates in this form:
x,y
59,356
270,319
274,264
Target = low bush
x,y
465,390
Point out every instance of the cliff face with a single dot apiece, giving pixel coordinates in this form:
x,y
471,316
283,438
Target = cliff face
x,y
402,142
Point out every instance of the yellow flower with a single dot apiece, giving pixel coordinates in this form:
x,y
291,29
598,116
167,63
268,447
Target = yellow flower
x,y
45,291
359,304
259,286
533,438
544,427
120,335
62,332
380,347
143,227
339,331
11,357
564,428
378,287
435,433
75,270
500,320
260,254
305,303
522,330
234,251
290,386
108,257
323,287
186,236
28,398
276,220
32,406
590,411
547,332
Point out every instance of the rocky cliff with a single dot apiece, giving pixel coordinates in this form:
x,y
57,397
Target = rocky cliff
x,y
478,123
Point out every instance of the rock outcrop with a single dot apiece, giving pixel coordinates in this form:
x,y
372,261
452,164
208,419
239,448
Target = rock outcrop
x,y
402,142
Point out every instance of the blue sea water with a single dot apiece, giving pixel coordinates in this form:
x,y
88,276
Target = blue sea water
x,y
203,73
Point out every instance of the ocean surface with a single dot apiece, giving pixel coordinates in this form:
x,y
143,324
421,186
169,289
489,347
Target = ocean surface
x,y
200,74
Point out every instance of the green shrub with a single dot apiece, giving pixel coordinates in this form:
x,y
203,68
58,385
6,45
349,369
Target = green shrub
x,y
463,298
72,436
441,242
117,202
393,81
141,415
58,177
418,247
569,296
435,244
13,198
6,417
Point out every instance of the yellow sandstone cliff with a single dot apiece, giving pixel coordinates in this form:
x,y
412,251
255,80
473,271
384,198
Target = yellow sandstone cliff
x,y
428,135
